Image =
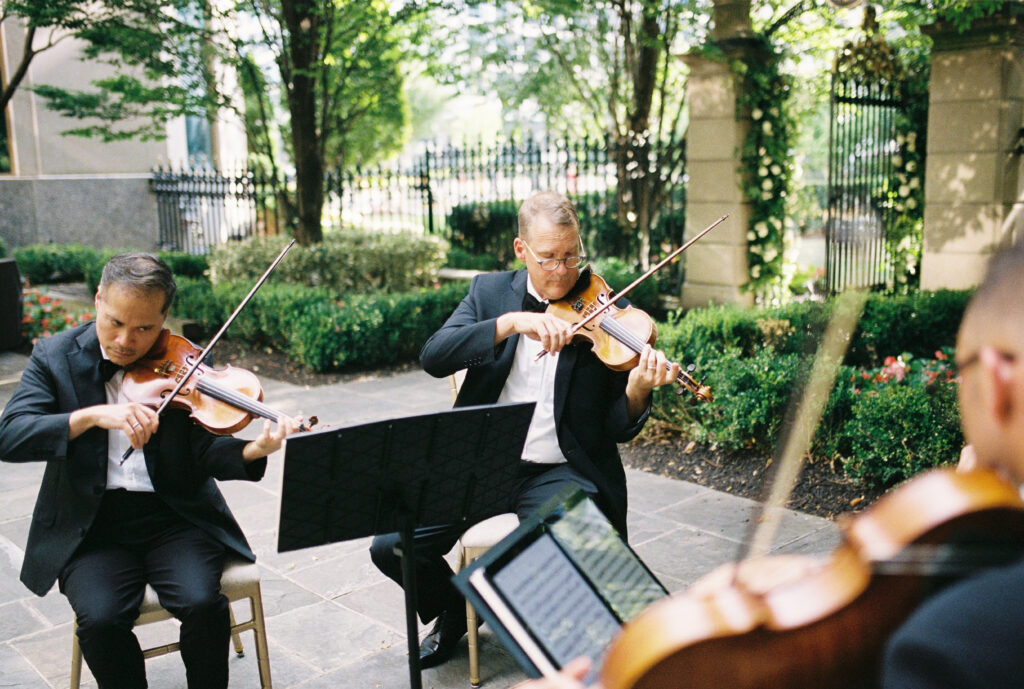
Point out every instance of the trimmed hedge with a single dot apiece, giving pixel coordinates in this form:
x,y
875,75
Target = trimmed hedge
x,y
52,263
319,330
880,423
345,261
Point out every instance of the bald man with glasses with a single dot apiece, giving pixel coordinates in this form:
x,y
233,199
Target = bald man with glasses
x,y
583,409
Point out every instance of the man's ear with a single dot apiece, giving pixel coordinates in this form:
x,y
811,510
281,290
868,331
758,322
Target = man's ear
x,y
520,248
999,374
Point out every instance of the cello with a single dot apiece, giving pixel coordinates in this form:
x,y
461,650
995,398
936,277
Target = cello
x,y
782,621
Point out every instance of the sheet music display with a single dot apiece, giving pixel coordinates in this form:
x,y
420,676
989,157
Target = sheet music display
x,y
560,586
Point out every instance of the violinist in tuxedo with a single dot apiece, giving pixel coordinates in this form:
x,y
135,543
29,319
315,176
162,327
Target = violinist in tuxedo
x,y
583,408
104,527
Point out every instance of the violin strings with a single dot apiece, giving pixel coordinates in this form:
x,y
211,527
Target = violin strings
x,y
236,399
626,336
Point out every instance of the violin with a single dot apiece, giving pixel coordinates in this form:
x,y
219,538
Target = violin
x,y
618,335
224,400
179,372
781,622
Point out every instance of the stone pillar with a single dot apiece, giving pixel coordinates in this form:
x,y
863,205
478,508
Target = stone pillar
x,y
716,266
974,198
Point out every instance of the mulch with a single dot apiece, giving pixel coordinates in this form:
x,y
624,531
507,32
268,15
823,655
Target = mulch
x,y
821,489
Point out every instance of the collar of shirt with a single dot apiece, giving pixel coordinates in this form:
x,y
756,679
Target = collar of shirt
x,y
533,290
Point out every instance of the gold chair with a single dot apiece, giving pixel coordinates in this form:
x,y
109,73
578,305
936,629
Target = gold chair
x,y
472,545
240,580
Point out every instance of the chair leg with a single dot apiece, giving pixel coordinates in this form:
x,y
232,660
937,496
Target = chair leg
x,y
236,638
260,632
474,655
76,658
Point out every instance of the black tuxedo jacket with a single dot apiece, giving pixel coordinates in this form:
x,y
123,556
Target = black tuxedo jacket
x,y
590,401
183,458
967,636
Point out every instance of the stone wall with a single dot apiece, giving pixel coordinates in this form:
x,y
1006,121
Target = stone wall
x,y
117,211
974,187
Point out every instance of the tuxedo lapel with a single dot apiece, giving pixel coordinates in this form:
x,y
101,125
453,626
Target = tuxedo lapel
x,y
83,365
511,300
566,362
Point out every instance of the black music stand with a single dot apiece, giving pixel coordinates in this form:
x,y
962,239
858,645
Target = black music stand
x,y
396,475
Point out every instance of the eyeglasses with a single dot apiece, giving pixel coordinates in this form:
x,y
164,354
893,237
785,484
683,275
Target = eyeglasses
x,y
549,264
976,357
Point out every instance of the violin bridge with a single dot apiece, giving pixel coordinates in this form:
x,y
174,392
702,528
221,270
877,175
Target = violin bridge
x,y
166,368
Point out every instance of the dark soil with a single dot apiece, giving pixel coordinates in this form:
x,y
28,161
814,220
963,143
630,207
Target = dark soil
x,y
821,490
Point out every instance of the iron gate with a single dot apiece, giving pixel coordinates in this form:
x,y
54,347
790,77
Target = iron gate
x,y
867,88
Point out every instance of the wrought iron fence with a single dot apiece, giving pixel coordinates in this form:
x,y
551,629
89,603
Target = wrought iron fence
x,y
868,81
201,208
467,194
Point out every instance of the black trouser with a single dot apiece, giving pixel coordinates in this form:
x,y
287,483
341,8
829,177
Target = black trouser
x,y
137,539
435,592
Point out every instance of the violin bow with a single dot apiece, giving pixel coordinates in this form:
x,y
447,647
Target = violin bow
x,y
213,341
619,295
809,409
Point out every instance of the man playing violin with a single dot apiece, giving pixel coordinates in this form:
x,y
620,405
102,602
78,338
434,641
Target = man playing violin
x,y
583,408
103,526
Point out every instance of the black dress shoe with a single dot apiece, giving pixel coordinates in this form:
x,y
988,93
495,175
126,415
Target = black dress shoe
x,y
439,644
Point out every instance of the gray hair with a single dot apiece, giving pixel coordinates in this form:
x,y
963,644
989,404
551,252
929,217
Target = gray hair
x,y
141,272
558,209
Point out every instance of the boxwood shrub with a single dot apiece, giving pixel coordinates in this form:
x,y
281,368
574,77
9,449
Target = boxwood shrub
x,y
891,413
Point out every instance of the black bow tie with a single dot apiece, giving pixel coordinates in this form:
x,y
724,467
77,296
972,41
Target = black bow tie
x,y
531,303
107,369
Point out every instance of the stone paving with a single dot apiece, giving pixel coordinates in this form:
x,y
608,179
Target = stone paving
x,y
333,621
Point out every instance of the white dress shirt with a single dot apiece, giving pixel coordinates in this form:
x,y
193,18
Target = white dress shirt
x,y
531,380
133,474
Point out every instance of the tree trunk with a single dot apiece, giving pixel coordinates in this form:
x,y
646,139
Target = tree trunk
x,y
302,20
14,80
633,152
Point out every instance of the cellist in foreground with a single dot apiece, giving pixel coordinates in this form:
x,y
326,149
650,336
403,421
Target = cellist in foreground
x,y
969,635
103,526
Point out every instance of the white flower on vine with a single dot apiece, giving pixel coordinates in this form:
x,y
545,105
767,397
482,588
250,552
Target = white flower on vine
x,y
766,127
763,151
915,182
755,271
751,237
770,254
766,196
911,203
756,249
766,160
776,223
900,139
904,190
762,229
762,171
911,166
897,161
776,170
767,184
756,114
774,111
